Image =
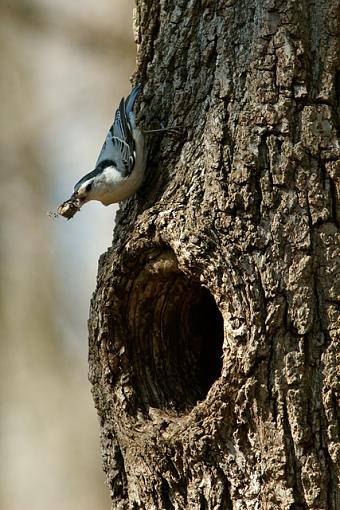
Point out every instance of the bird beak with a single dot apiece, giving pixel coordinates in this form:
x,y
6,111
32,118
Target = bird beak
x,y
76,199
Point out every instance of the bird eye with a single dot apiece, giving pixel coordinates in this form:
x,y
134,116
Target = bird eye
x,y
89,186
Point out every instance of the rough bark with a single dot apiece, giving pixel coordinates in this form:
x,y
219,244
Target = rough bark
x,y
214,327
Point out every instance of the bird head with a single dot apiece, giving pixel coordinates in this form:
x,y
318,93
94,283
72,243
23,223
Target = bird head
x,y
85,188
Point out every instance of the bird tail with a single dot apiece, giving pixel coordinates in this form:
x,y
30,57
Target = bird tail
x,y
130,101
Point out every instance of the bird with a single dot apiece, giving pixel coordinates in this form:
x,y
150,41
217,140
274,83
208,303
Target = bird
x,y
120,168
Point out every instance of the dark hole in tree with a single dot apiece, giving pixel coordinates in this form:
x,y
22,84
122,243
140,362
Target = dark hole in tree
x,y
176,343
206,323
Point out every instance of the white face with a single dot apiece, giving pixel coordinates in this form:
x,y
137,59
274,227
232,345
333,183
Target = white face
x,y
107,186
84,192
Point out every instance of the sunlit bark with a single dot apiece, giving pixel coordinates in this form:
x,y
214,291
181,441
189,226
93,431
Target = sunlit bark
x,y
214,327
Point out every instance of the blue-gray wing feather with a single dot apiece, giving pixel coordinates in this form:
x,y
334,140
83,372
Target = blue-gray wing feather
x,y
119,146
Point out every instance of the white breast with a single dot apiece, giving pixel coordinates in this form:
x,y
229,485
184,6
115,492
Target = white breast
x,y
111,187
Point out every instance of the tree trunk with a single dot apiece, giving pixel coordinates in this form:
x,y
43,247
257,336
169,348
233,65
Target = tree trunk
x,y
214,326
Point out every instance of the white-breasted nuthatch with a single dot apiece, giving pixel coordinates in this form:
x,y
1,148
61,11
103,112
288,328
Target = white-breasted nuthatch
x,y
120,167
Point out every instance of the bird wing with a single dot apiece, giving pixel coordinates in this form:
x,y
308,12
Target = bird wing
x,y
119,145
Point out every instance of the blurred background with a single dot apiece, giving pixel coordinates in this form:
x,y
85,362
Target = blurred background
x,y
64,67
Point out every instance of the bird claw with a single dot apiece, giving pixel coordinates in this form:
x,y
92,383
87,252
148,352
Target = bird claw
x,y
171,130
175,131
